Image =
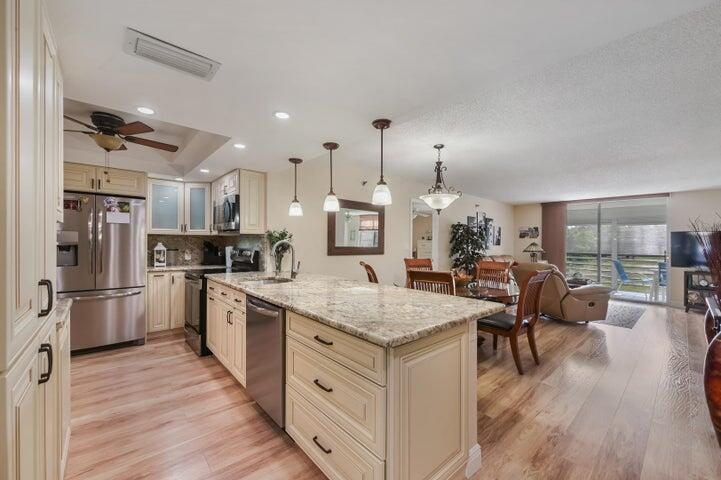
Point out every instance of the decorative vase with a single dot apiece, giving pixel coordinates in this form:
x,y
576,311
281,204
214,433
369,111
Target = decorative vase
x,y
712,383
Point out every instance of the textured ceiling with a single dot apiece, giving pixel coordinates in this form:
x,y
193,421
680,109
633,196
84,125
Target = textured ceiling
x,y
534,100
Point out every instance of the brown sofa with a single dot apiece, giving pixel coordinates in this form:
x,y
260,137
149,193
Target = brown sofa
x,y
582,304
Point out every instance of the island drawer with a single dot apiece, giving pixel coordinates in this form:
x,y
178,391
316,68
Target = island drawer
x,y
350,400
234,298
358,355
330,448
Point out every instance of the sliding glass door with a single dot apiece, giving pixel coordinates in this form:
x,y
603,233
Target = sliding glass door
x,y
620,244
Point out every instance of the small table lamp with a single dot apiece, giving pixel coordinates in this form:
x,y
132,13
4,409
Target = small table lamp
x,y
533,250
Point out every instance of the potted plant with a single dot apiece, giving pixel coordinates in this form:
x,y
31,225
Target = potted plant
x,y
466,247
273,237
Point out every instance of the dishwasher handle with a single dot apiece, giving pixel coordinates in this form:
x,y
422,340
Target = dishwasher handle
x,y
263,309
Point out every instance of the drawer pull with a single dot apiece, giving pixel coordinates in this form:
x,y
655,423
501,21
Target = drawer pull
x,y
211,288
324,342
325,450
224,294
237,300
321,386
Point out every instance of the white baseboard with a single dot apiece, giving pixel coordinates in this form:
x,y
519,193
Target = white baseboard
x,y
474,461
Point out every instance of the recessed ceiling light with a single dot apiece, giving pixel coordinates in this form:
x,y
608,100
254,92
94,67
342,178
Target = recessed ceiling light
x,y
204,170
282,115
239,146
146,110
178,179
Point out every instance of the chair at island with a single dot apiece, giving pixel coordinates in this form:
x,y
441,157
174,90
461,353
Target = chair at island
x,y
524,321
372,277
432,281
417,264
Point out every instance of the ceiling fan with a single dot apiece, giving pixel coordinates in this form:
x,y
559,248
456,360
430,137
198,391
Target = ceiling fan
x,y
110,132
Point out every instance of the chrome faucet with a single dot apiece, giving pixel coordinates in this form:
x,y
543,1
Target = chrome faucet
x,y
293,267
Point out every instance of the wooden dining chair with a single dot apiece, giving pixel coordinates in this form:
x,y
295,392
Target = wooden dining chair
x,y
432,281
372,277
524,321
416,264
489,272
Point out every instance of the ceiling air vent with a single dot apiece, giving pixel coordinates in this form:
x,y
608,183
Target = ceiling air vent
x,y
142,45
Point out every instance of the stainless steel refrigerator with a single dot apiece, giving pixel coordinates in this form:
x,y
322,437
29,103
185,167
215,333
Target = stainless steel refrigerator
x,y
101,266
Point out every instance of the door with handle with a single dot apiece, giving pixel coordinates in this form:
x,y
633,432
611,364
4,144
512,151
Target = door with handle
x,y
76,243
120,242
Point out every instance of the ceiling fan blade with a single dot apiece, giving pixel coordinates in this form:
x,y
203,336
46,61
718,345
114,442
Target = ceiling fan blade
x,y
134,128
122,147
80,131
81,123
152,144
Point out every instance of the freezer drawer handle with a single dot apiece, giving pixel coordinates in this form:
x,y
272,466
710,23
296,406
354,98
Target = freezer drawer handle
x,y
47,348
47,283
325,450
321,386
324,342
104,297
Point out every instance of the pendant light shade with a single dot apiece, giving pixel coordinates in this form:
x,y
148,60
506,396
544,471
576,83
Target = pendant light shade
x,y
439,196
331,201
295,209
382,194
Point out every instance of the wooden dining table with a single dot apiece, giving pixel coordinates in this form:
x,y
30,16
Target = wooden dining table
x,y
497,292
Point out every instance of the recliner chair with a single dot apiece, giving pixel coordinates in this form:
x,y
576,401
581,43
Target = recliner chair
x,y
582,304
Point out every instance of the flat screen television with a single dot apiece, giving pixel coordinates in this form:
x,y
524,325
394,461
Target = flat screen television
x,y
686,251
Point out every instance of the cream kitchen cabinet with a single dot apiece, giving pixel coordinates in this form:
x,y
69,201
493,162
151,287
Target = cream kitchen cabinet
x,y
250,187
252,202
226,329
177,299
79,177
30,136
158,307
166,300
63,369
179,208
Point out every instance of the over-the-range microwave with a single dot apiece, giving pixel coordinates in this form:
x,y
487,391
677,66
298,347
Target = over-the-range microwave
x,y
226,214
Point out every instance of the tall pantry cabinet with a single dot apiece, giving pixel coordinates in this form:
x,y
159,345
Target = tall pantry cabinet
x,y
34,373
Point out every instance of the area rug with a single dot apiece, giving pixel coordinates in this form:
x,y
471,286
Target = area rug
x,y
622,315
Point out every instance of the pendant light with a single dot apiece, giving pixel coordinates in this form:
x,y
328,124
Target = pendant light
x,y
381,194
439,196
331,201
295,209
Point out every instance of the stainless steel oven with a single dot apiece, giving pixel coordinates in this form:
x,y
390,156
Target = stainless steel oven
x,y
226,214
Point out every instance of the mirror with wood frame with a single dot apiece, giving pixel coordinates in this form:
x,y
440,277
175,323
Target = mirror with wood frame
x,y
357,228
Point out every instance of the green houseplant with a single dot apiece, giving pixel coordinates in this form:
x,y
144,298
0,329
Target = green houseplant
x,y
275,236
466,247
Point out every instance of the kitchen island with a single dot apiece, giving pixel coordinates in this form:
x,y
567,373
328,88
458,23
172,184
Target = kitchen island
x,y
379,380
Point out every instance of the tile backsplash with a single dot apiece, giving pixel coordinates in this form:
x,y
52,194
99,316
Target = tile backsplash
x,y
192,246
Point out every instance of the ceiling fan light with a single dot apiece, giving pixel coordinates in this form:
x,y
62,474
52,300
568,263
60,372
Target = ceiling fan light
x,y
382,195
108,142
439,201
331,203
295,209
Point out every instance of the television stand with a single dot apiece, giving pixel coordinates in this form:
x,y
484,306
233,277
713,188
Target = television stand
x,y
697,285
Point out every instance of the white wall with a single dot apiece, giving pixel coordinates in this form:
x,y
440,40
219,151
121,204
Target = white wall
x,y
310,231
525,216
683,207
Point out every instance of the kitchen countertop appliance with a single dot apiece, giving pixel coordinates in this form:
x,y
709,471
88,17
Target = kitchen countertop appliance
x,y
265,350
101,266
196,289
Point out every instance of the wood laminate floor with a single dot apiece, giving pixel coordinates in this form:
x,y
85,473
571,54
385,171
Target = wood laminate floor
x,y
605,403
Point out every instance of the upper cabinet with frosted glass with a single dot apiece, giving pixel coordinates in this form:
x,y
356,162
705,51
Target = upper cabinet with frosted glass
x,y
178,208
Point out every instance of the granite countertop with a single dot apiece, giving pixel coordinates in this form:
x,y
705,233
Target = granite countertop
x,y
62,307
183,268
385,315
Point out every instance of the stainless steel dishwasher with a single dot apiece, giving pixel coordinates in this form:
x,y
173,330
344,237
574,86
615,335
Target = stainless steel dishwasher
x,y
265,357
